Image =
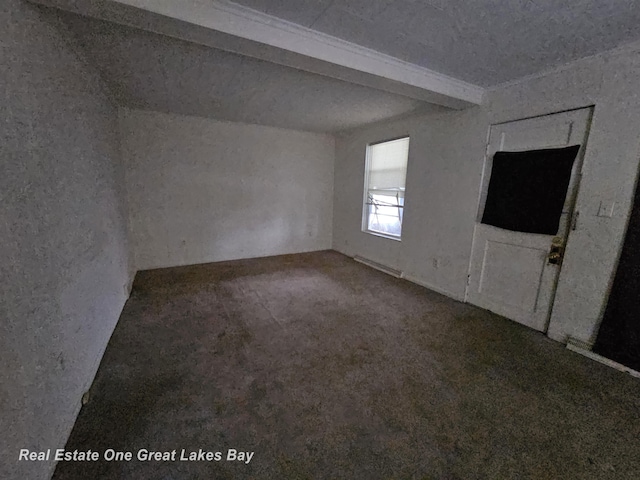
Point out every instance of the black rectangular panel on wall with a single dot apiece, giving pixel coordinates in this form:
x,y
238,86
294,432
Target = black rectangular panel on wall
x,y
619,334
527,190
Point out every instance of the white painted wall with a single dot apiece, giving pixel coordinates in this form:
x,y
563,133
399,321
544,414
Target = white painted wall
x,y
611,83
202,190
446,152
64,256
445,164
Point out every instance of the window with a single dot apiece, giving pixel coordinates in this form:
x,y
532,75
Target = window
x,y
385,174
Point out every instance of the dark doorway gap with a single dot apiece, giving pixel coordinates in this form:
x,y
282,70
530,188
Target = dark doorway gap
x,y
619,334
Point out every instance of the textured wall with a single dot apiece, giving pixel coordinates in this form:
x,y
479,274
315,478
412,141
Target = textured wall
x,y
610,82
202,191
64,266
446,152
445,164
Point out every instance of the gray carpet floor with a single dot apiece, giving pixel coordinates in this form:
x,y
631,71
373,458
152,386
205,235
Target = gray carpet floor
x,y
327,369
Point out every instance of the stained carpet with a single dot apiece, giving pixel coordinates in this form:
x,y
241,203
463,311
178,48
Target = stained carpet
x,y
327,369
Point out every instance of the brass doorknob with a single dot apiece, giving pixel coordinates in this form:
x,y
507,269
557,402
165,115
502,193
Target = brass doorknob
x,y
555,256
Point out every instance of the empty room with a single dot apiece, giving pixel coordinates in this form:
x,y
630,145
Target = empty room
x,y
320,239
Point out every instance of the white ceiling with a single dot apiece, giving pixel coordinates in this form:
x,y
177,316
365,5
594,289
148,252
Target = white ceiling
x,y
156,72
484,42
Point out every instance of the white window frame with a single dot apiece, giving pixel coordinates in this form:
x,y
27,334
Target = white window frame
x,y
365,206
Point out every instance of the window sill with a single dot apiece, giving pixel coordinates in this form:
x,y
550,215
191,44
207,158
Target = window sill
x,y
383,235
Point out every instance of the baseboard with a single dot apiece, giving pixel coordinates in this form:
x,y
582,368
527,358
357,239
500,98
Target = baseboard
x,y
410,278
145,266
439,290
85,396
578,347
378,266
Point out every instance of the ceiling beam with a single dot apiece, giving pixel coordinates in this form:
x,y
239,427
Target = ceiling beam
x,y
231,27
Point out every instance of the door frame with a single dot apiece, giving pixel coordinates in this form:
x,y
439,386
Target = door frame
x,y
573,212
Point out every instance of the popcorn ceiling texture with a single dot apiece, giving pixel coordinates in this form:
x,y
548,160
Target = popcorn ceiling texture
x,y
155,72
485,42
64,263
326,368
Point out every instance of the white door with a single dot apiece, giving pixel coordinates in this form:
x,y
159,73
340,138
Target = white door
x,y
510,272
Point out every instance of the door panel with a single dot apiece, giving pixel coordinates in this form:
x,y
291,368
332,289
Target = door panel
x,y
539,136
504,267
509,272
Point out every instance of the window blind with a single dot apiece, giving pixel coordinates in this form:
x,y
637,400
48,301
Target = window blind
x,y
388,167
